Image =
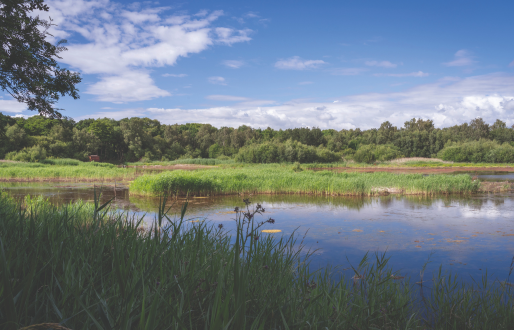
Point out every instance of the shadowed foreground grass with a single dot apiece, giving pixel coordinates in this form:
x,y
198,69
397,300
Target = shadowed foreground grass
x,y
280,179
102,270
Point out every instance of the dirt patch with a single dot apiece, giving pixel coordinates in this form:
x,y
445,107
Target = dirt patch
x,y
496,186
419,159
386,191
420,170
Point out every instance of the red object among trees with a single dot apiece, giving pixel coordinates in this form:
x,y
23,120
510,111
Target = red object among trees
x,y
94,158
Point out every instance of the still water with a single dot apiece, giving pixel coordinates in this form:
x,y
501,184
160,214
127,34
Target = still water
x,y
464,234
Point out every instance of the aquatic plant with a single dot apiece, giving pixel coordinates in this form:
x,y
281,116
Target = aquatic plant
x,y
275,179
117,274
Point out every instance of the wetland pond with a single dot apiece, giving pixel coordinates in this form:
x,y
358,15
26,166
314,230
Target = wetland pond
x,y
464,234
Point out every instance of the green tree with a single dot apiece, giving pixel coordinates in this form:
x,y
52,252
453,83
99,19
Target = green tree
x,y
28,68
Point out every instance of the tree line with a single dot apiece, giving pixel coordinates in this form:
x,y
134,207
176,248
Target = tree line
x,y
133,139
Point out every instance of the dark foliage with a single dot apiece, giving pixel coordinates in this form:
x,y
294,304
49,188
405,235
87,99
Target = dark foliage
x,y
133,139
28,68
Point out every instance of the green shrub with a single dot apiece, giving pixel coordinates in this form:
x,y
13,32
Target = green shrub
x,y
365,154
290,151
32,154
482,151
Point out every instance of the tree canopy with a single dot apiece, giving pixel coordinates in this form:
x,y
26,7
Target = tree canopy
x,y
132,139
28,68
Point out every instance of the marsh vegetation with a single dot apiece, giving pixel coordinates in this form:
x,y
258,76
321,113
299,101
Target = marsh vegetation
x,y
86,267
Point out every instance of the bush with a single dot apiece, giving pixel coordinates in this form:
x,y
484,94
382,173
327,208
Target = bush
x,y
365,154
387,152
482,151
290,151
33,154
370,153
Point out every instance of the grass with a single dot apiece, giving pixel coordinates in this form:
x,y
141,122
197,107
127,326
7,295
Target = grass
x,y
73,170
192,161
275,179
106,271
63,169
61,161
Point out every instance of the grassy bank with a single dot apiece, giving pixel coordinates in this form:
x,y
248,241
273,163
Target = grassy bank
x,y
281,179
192,161
107,272
63,170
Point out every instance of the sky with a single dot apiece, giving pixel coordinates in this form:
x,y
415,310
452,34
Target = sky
x,y
286,64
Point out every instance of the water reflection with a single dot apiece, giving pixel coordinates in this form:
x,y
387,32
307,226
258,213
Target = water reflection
x,y
466,233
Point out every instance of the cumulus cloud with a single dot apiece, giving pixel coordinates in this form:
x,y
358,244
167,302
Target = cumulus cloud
x,y
382,64
216,80
12,106
128,113
462,58
234,64
121,41
296,63
180,75
447,102
128,87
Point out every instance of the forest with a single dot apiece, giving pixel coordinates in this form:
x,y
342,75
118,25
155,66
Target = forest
x,y
144,139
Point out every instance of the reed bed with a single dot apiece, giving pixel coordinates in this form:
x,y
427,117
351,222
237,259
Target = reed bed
x,y
106,271
275,179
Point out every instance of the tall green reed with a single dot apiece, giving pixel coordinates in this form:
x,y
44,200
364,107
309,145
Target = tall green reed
x,y
117,272
275,179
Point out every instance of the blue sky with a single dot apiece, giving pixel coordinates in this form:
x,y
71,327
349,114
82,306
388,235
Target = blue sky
x,y
330,64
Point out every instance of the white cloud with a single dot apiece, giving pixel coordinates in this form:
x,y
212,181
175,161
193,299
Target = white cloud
x,y
511,64
125,40
348,71
12,106
179,75
296,63
411,74
230,36
462,58
234,64
217,80
226,98
447,102
242,101
128,87
252,15
382,64
128,113
305,83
